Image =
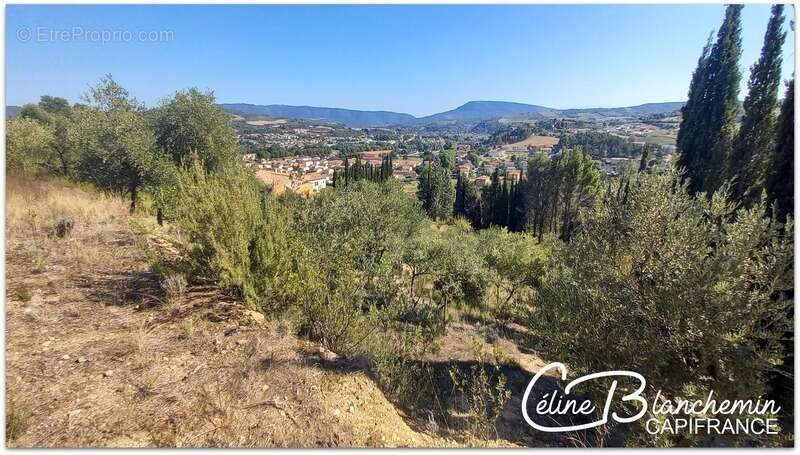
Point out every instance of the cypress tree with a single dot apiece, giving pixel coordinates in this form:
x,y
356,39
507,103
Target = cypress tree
x,y
514,223
779,175
427,191
472,203
711,127
779,188
512,207
518,215
487,194
423,192
501,217
692,121
495,189
645,158
436,192
757,133
458,206
723,97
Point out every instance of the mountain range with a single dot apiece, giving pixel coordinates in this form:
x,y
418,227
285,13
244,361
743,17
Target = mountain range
x,y
473,111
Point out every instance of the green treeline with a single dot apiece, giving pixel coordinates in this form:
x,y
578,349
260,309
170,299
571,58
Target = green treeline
x,y
600,144
548,199
276,151
509,134
357,171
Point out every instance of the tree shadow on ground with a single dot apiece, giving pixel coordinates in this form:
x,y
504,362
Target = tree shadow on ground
x,y
443,412
510,425
122,288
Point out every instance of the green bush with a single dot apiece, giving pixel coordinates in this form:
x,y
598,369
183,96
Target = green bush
x,y
27,144
348,250
517,264
483,389
450,264
405,378
234,231
677,288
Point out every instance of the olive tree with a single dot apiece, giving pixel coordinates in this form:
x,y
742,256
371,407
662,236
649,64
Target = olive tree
x,y
518,264
27,144
349,249
680,289
117,149
190,122
55,113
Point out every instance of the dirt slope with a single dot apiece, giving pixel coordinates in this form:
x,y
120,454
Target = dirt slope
x,y
95,356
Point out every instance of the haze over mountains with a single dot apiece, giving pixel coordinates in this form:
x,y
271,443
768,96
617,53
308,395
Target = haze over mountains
x,y
473,111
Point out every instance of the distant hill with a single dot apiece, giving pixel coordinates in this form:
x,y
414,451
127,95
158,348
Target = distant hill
x,y
12,111
468,114
484,110
642,110
349,117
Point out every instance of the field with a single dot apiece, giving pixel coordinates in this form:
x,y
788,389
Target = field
x,y
533,141
660,139
266,122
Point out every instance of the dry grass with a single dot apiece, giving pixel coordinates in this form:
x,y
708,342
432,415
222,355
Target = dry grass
x,y
266,122
535,141
174,286
34,205
18,417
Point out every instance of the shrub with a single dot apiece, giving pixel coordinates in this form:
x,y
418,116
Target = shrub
x,y
28,144
347,255
451,264
482,387
405,378
233,229
334,259
63,227
677,288
188,327
518,265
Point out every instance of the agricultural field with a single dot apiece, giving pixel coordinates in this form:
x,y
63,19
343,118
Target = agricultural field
x,y
532,141
261,122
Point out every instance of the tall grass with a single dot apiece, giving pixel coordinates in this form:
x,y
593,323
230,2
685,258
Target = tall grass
x,y
35,204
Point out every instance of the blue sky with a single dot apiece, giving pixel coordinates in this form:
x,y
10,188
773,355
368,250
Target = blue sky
x,y
418,59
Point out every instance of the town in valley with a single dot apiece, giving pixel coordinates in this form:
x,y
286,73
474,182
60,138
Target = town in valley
x,y
303,154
